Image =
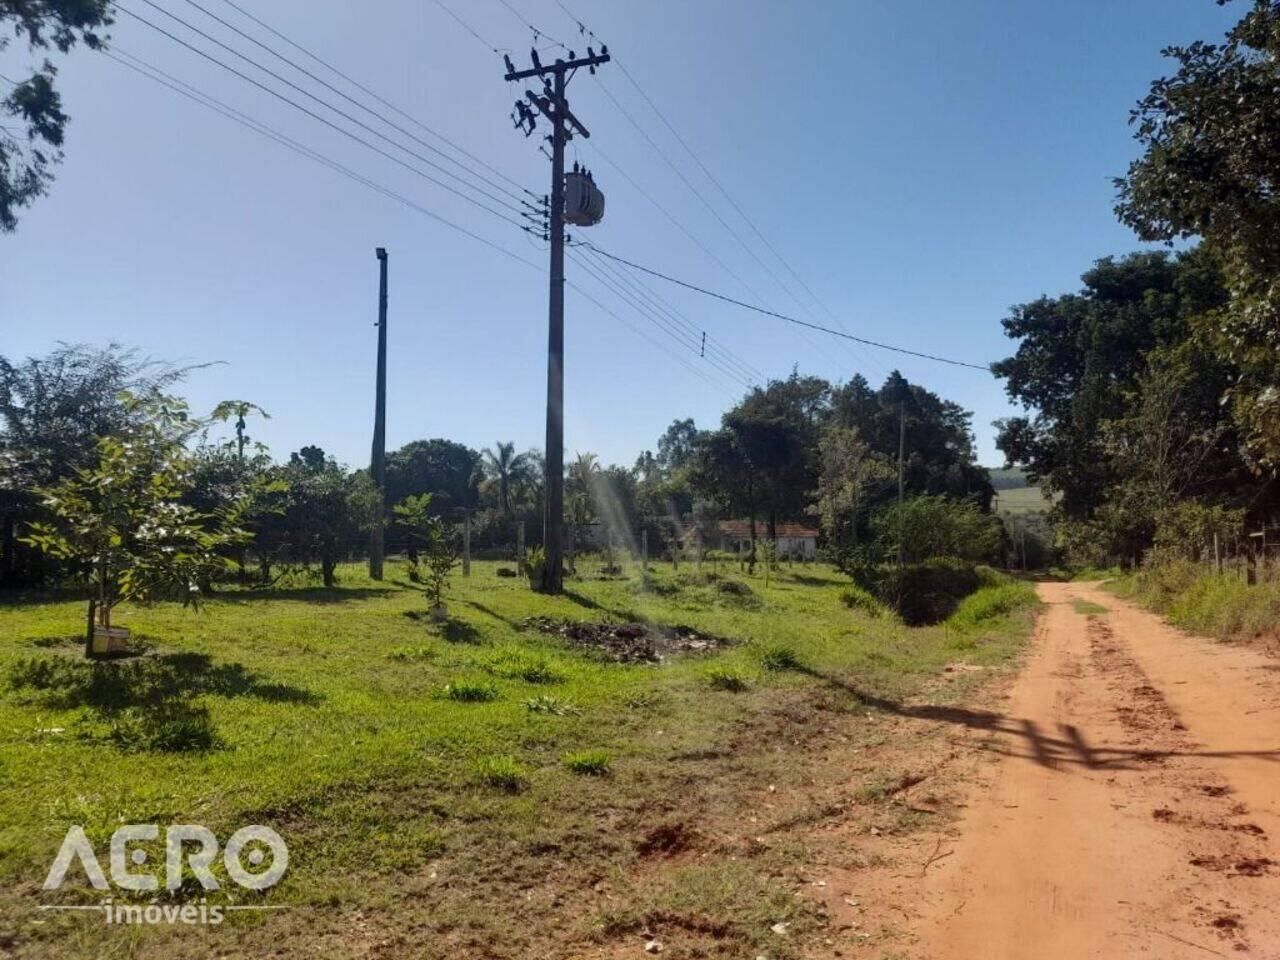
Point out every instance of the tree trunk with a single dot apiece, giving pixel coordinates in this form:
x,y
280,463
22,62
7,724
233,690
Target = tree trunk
x,y
89,625
327,567
751,557
9,549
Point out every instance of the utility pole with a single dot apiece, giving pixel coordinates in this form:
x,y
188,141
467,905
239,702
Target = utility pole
x,y
902,449
378,457
555,108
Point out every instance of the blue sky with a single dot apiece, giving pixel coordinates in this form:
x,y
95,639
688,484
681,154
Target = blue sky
x,y
920,165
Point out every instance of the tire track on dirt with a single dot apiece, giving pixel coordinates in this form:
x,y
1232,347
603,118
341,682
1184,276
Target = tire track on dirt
x,y
1132,811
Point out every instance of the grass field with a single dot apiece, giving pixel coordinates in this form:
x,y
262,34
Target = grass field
x,y
1020,501
478,788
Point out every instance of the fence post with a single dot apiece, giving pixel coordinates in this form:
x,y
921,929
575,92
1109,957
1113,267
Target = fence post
x,y
644,550
466,545
520,548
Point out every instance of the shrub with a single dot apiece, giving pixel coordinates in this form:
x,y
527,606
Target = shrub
x,y
518,667
929,592
1198,598
855,598
990,603
923,528
777,656
502,773
723,678
589,763
469,691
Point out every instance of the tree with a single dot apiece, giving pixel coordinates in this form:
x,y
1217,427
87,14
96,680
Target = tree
x,y
123,522
429,539
52,410
925,528
851,482
327,510
1211,162
776,429
26,160
506,467
1079,361
677,444
449,471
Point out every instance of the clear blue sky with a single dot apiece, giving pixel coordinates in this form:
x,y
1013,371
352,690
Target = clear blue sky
x,y
922,165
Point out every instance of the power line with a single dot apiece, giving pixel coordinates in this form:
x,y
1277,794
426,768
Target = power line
x,y
390,106
320,100
157,75
782,316
701,374
352,100
588,32
467,27
656,319
212,103
743,370
725,193
525,20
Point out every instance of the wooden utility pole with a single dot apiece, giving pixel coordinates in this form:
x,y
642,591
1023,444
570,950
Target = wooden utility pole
x,y
553,105
902,450
378,458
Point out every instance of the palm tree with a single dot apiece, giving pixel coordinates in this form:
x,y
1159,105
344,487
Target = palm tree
x,y
507,467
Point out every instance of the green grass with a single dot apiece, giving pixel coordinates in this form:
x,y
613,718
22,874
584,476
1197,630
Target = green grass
x,y
1087,607
1022,501
1193,596
991,603
387,750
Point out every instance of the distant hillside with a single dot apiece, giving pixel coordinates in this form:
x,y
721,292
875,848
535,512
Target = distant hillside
x,y
1014,495
1007,478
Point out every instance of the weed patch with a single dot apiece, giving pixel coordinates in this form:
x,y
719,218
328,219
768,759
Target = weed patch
x,y
589,763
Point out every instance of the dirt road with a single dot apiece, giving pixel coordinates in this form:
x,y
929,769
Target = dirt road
x,y
1135,811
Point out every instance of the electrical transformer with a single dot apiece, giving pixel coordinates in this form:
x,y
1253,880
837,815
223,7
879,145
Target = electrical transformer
x,y
583,201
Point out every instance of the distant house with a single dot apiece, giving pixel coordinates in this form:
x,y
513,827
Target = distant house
x,y
794,540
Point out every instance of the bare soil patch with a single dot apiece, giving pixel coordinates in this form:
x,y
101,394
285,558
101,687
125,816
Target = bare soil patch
x,y
629,642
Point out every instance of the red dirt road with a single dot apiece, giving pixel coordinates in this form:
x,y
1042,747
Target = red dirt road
x,y
1135,811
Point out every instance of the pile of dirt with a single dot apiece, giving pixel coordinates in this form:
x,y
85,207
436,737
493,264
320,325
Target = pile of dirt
x,y
628,642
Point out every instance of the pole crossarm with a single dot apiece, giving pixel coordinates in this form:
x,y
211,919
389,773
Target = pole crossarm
x,y
560,66
552,108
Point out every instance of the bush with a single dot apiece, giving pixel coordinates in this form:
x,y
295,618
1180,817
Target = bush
x,y
991,603
530,670
777,656
1196,597
923,528
722,678
855,598
467,691
589,763
929,592
502,773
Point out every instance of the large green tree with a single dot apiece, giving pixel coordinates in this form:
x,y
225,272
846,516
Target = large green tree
x,y
449,471
1079,361
1210,167
53,409
27,157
